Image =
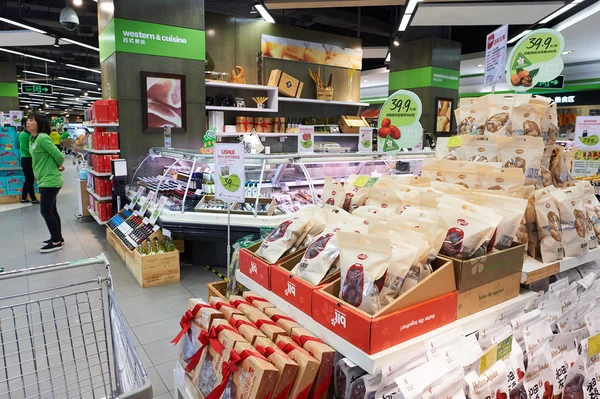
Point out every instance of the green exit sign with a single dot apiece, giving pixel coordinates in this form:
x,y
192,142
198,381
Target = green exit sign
x,y
557,83
35,88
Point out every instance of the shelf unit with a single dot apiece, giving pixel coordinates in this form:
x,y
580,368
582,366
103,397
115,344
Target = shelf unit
x,y
99,174
337,134
239,109
272,94
322,102
95,216
92,151
96,196
370,363
102,125
534,270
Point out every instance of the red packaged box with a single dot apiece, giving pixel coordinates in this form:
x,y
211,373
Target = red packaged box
x,y
113,111
105,136
428,305
100,111
108,187
95,163
101,211
110,211
257,268
107,159
113,141
293,289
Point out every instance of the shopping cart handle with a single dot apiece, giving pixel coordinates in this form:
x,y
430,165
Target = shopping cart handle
x,y
98,260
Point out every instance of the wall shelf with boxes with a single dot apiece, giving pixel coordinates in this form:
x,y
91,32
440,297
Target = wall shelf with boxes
x,y
95,216
97,197
94,151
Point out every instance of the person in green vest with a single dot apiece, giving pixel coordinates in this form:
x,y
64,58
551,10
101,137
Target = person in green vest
x,y
27,166
47,167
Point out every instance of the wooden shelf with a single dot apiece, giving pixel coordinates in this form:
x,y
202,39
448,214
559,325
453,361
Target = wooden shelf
x,y
534,270
321,102
239,86
102,125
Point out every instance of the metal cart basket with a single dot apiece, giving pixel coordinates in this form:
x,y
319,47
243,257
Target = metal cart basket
x,y
67,341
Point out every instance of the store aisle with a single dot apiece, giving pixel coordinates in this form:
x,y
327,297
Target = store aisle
x,y
152,314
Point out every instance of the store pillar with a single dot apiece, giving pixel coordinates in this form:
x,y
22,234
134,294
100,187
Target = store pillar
x,y
430,68
159,37
9,88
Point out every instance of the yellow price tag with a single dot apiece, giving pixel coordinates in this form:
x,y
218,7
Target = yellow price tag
x,y
364,181
488,359
454,141
593,345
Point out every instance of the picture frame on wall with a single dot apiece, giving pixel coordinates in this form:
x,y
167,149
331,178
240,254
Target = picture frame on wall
x,y
163,102
444,115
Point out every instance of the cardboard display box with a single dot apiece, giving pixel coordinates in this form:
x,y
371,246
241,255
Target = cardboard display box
x,y
308,367
488,295
490,267
293,289
426,306
286,84
352,124
287,367
259,269
282,320
324,353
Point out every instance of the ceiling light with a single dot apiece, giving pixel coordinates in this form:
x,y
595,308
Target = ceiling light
x,y
520,35
253,10
56,44
78,81
412,4
26,106
264,13
85,94
60,93
8,21
480,65
558,12
388,57
404,22
77,2
26,55
567,52
99,88
35,73
396,42
581,15
83,68
80,44
40,95
67,88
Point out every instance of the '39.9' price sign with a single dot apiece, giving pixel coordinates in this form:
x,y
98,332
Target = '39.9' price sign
x,y
230,173
398,123
537,57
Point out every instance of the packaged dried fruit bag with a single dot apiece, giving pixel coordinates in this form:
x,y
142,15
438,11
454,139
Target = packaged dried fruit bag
x,y
522,152
444,151
432,168
519,322
572,221
499,115
591,383
365,387
575,379
390,199
479,148
319,218
526,117
549,228
356,195
364,259
374,213
469,227
414,382
461,174
491,383
472,115
428,223
540,380
333,192
563,349
448,386
500,179
535,334
345,373
550,122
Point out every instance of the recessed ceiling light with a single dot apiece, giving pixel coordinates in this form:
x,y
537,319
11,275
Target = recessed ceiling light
x,y
480,65
567,52
77,2
20,25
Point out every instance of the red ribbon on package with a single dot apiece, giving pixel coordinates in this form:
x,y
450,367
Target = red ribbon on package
x,y
277,317
287,348
266,351
322,387
302,339
186,320
219,305
251,299
229,368
240,322
238,302
264,127
260,322
205,339
222,327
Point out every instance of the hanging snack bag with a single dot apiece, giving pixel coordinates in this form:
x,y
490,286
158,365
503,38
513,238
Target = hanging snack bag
x,y
550,124
572,220
491,383
575,379
469,227
472,115
592,210
499,117
432,169
344,374
526,117
355,195
545,177
563,349
479,148
510,180
540,380
462,174
444,151
333,192
548,227
364,259
522,152
535,334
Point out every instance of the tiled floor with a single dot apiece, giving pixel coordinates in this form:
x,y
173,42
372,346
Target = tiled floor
x,y
152,314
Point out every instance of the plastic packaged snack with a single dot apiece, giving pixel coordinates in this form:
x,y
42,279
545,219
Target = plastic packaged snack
x,y
364,260
344,374
499,115
355,196
333,192
443,151
572,220
464,175
526,117
472,115
319,218
479,148
548,227
500,179
286,235
492,383
365,387
426,222
432,169
522,152
540,380
550,123
388,199
535,334
449,386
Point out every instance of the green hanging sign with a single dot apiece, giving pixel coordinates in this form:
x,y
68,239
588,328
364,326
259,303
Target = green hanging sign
x,y
536,58
398,123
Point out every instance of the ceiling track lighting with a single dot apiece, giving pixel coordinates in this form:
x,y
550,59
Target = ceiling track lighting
x,y
35,73
264,12
20,25
396,41
26,55
77,80
580,16
83,68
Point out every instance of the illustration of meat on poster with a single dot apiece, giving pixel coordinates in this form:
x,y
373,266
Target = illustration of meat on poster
x,y
164,105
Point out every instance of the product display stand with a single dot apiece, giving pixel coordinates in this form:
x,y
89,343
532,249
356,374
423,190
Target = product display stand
x,y
370,363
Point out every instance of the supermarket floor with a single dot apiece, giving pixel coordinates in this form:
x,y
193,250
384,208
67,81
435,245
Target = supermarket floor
x,y
152,314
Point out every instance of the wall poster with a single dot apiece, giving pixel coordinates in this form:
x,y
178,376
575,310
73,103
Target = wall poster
x,y
163,102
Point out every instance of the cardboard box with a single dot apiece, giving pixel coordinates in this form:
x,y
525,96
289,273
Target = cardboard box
x,y
257,301
352,124
485,269
282,320
257,268
426,306
293,289
255,376
488,295
246,328
262,321
308,367
286,84
324,353
225,307
287,368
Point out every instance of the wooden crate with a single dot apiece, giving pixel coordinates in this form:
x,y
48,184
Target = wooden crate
x,y
10,199
218,289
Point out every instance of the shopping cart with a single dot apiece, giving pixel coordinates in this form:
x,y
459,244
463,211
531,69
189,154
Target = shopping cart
x,y
67,146
67,341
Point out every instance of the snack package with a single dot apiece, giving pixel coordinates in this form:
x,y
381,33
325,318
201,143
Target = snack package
x,y
282,320
464,175
550,124
365,387
443,151
364,259
344,374
472,115
308,367
575,379
389,199
255,376
535,334
592,210
224,307
450,386
323,353
287,368
491,383
499,117
548,227
355,196
519,322
572,220
432,169
526,117
374,212
510,180
469,227
540,380
246,328
333,192
425,222
319,217
563,349
479,148
522,152
414,382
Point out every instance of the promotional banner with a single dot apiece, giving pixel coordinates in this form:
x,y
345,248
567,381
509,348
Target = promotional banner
x,y
398,123
365,142
495,56
15,118
306,139
587,139
230,171
535,58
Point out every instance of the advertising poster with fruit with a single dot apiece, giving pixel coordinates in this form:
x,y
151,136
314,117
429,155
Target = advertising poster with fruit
x,y
537,57
365,139
306,139
398,123
231,175
15,118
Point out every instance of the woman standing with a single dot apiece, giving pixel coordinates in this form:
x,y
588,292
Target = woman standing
x,y
26,164
47,165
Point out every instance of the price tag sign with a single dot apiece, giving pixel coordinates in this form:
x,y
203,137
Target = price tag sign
x,y
593,346
537,57
230,172
587,133
488,359
306,139
159,208
504,348
149,199
365,181
15,118
138,194
495,56
454,141
398,123
365,139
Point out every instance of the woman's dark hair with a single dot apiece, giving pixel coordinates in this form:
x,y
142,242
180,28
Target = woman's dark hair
x,y
42,122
